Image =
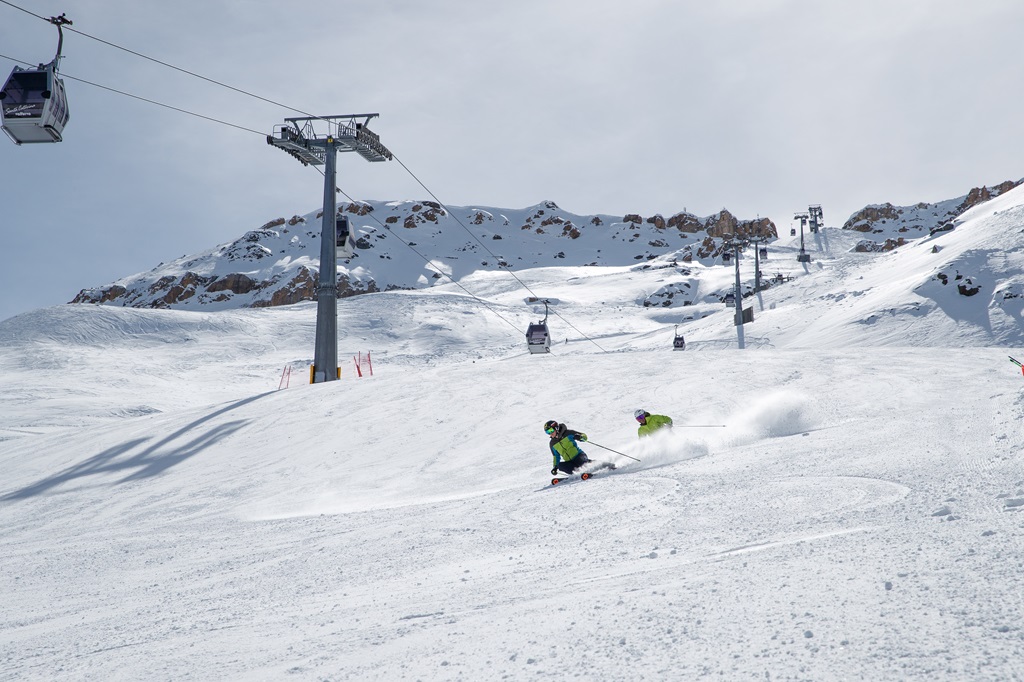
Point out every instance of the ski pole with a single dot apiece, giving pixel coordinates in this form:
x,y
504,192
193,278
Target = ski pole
x,y
1016,362
610,450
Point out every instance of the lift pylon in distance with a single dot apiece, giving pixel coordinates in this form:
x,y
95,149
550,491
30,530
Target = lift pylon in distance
x,y
33,103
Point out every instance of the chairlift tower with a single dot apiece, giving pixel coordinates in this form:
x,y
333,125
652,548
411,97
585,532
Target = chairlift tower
x,y
737,244
316,140
803,256
816,217
757,240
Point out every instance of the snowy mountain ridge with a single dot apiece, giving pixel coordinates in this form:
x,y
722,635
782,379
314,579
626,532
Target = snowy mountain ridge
x,y
416,244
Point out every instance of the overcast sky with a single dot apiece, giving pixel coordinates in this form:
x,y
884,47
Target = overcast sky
x,y
758,106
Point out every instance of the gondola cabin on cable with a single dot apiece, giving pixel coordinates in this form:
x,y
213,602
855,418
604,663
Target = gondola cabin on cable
x,y
726,257
33,104
343,238
538,340
678,342
763,252
730,300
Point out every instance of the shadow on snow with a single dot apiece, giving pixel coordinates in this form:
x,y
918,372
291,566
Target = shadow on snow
x,y
154,460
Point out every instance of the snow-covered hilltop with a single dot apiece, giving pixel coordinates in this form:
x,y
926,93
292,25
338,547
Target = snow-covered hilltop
x,y
416,244
413,244
894,225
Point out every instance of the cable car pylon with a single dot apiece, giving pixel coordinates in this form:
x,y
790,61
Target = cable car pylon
x,y
33,103
301,139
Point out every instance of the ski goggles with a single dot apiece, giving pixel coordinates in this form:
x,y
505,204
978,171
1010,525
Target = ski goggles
x,y
641,418
549,430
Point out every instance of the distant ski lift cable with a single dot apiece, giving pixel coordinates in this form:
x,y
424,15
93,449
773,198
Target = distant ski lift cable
x,y
262,134
478,241
151,101
290,108
429,263
163,63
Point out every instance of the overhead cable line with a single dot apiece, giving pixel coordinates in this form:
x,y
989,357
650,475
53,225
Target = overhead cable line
x,y
285,106
478,241
143,99
429,262
163,63
215,120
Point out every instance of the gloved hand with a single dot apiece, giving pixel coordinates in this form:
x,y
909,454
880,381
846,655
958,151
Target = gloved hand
x,y
583,437
554,472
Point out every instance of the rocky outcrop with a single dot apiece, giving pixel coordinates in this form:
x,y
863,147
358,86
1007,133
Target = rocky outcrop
x,y
982,194
868,246
236,283
722,224
100,295
359,208
301,287
686,222
865,219
922,217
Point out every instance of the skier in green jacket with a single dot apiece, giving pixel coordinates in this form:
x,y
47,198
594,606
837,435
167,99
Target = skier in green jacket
x,y
649,423
567,454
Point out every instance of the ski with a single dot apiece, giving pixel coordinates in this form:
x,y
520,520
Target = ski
x,y
582,477
1016,362
586,475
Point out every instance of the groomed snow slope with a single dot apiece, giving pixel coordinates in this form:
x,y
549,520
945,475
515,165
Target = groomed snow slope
x,y
168,514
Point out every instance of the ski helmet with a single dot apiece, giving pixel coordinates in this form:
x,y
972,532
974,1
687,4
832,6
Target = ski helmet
x,y
640,413
550,425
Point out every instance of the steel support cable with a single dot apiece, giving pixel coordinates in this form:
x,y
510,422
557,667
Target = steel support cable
x,y
143,99
215,120
489,252
429,262
285,106
163,63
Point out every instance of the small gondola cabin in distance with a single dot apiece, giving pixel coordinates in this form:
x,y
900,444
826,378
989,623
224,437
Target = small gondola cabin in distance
x,y
538,339
33,103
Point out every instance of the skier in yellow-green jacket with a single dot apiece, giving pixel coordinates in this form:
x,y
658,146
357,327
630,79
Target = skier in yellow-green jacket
x,y
564,448
649,423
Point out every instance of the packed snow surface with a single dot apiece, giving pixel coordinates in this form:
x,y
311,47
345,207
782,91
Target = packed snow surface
x,y
840,499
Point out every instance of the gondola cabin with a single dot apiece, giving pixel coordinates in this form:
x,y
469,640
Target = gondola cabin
x,y
730,300
726,257
34,105
678,342
538,340
763,252
343,238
